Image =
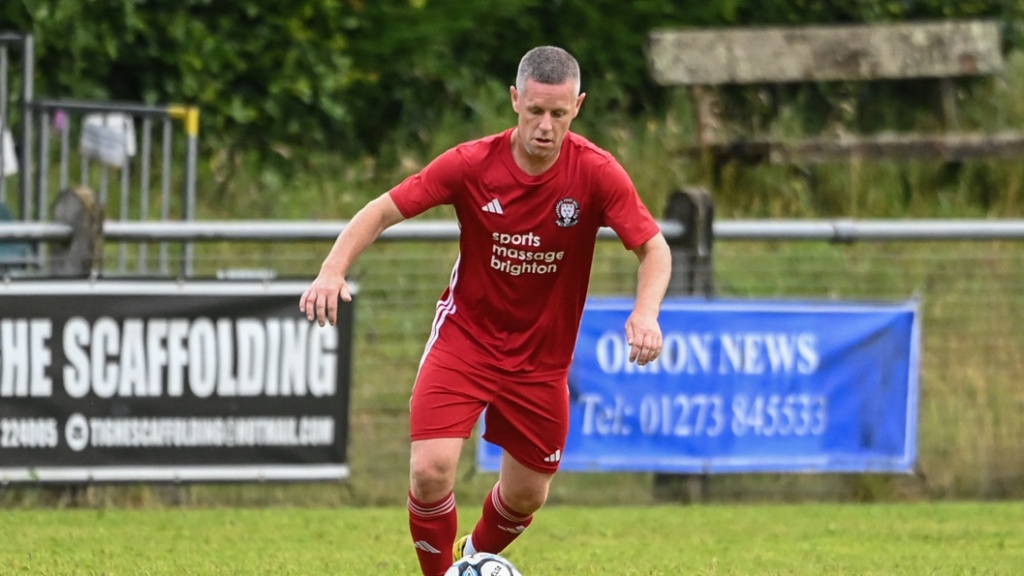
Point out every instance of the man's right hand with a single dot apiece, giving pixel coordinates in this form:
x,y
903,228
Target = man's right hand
x,y
320,301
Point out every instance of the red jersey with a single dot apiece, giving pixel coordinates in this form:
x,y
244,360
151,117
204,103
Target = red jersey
x,y
525,248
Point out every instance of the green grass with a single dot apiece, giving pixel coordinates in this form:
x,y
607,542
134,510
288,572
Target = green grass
x,y
797,540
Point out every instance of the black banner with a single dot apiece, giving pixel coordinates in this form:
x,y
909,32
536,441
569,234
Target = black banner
x,y
112,381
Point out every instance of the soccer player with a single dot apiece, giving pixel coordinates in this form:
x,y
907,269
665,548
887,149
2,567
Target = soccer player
x,y
529,202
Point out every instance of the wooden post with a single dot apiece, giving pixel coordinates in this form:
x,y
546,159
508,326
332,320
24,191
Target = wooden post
x,y
706,107
692,275
947,96
81,255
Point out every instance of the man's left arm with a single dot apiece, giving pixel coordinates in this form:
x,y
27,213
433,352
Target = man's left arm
x,y
643,333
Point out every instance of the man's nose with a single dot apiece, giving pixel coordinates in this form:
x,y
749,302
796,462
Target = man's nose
x,y
546,123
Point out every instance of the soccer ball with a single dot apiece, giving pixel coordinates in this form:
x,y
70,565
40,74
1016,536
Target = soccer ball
x,y
482,564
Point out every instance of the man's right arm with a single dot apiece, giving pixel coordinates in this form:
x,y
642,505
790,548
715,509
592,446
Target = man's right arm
x,y
320,300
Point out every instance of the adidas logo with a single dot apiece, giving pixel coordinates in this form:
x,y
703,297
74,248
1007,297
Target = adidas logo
x,y
514,529
426,547
493,207
554,457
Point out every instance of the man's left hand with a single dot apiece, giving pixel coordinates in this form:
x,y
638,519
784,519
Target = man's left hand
x,y
644,337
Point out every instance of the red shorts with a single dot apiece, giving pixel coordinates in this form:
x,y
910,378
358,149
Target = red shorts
x,y
529,420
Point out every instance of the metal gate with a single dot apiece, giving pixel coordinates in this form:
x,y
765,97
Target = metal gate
x,y
125,155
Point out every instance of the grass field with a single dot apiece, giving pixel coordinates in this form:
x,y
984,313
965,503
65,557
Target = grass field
x,y
792,539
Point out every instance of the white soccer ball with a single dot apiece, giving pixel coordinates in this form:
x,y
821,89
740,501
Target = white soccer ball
x,y
482,564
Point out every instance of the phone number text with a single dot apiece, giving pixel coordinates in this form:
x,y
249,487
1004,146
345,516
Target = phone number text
x,y
705,415
28,433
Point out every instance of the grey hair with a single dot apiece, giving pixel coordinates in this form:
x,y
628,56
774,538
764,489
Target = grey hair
x,y
548,65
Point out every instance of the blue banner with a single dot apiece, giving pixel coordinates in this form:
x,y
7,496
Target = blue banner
x,y
745,386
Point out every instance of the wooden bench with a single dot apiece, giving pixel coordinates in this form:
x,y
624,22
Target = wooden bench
x,y
707,59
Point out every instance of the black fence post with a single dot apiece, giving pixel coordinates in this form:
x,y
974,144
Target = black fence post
x,y
692,275
80,255
693,209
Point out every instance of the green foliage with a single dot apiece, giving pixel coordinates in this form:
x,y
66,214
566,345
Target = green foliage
x,y
263,73
276,81
349,74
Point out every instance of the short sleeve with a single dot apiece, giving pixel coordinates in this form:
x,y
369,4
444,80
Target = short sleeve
x,y
624,212
436,184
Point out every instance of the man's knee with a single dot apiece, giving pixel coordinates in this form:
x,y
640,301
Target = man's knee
x,y
525,498
432,470
431,474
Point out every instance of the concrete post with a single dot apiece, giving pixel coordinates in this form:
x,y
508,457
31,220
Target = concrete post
x,y
81,255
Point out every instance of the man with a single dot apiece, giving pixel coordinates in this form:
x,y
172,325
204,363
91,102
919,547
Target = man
x,y
529,201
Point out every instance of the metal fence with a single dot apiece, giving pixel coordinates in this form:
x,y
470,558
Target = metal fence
x,y
968,275
125,154
143,178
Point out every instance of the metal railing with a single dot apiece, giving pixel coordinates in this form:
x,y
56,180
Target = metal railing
x,y
839,230
842,230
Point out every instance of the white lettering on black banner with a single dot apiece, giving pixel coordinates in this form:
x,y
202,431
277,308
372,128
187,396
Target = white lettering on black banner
x,y
155,357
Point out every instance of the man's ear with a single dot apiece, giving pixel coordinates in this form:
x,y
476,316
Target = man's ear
x,y
514,94
579,101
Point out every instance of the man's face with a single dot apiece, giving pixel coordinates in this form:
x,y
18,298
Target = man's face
x,y
545,112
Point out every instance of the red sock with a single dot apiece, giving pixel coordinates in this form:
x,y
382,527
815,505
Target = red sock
x,y
433,528
499,525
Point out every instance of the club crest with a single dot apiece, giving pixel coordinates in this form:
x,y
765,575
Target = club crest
x,y
567,212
